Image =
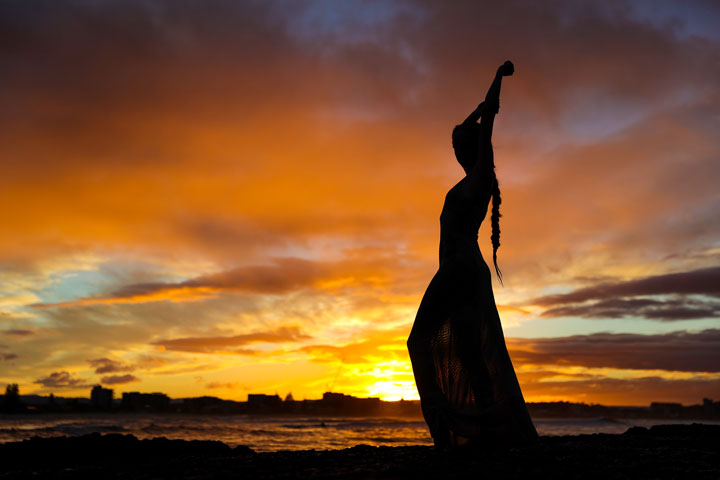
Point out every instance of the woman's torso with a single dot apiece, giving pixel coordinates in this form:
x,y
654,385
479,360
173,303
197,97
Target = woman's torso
x,y
460,220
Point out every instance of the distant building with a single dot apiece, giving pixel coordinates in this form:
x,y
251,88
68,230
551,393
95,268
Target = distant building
x,y
666,409
260,401
341,403
208,404
709,407
333,397
100,397
145,401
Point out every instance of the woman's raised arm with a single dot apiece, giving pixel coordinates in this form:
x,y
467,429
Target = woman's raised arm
x,y
479,177
492,102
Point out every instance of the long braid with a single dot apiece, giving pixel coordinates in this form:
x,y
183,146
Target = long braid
x,y
464,139
495,220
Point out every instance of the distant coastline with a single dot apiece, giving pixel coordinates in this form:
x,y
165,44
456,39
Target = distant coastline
x,y
101,400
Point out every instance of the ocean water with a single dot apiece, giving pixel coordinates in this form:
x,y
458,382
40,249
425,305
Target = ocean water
x,y
272,433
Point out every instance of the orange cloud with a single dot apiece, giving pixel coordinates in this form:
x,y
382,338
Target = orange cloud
x,y
106,365
375,344
119,379
62,379
230,344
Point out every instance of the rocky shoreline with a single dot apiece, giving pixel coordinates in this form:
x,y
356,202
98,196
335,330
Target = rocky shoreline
x,y
661,452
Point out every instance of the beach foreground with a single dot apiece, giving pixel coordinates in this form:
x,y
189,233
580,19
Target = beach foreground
x,y
663,451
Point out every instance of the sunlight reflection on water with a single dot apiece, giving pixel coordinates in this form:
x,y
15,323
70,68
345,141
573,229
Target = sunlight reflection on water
x,y
273,433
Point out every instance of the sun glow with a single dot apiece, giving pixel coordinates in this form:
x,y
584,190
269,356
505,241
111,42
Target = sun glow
x,y
395,381
391,391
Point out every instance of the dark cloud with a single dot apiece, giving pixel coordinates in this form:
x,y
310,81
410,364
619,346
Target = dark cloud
x,y
118,379
106,365
621,299
676,351
215,385
683,311
284,275
613,308
18,332
704,281
281,275
233,344
664,310
8,356
149,362
62,379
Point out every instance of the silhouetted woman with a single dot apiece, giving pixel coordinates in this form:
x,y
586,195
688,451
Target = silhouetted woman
x,y
468,388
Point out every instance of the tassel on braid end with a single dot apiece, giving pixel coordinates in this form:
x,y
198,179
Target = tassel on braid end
x,y
497,271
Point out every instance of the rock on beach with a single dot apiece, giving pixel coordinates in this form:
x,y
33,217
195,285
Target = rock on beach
x,y
660,452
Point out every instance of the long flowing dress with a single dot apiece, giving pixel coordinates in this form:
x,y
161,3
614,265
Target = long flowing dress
x,y
466,381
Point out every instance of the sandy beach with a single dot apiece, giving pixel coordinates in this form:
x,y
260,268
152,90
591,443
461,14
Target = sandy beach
x,y
665,451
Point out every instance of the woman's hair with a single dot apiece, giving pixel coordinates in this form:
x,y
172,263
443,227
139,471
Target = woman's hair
x,y
495,220
465,141
465,138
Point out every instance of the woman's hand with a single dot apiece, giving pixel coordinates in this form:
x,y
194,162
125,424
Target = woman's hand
x,y
506,69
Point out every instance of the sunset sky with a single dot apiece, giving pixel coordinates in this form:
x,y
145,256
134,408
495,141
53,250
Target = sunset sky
x,y
230,197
